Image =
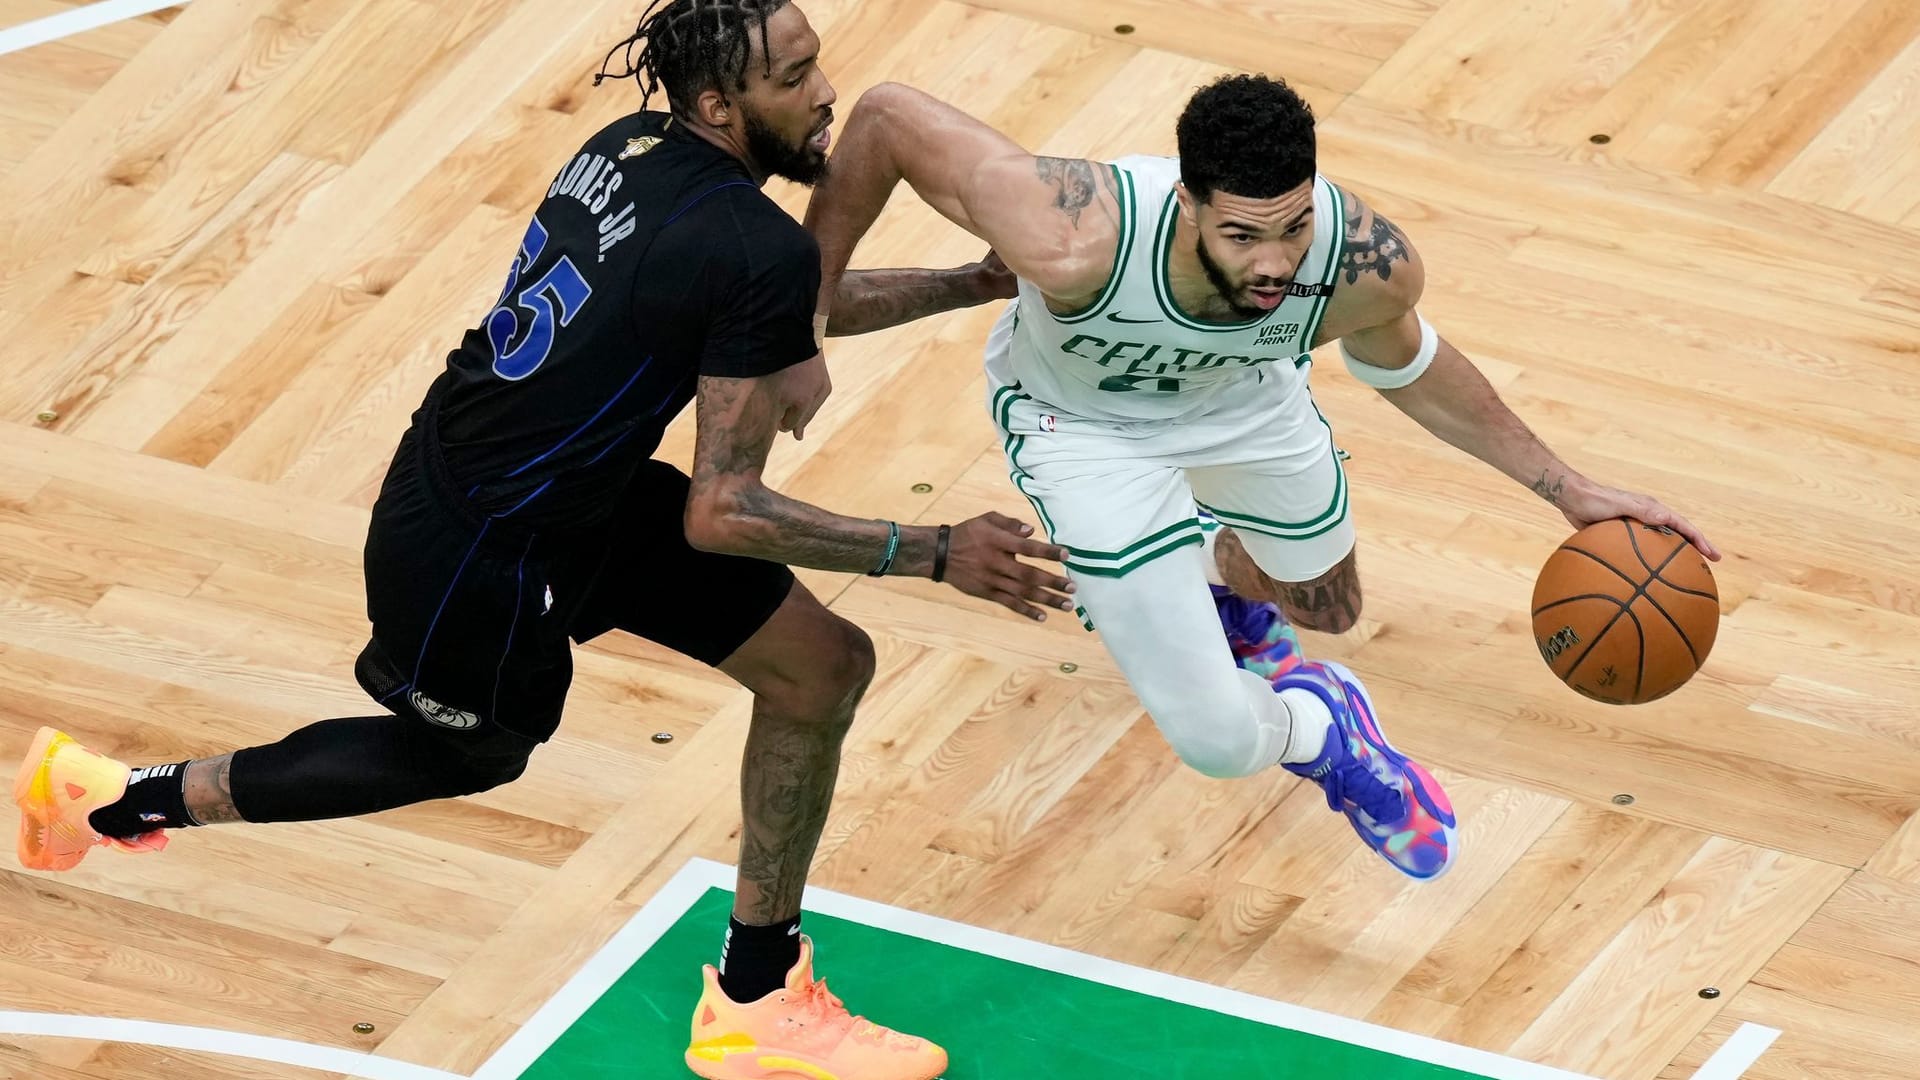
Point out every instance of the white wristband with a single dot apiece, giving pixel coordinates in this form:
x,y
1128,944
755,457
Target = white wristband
x,y
820,330
1394,378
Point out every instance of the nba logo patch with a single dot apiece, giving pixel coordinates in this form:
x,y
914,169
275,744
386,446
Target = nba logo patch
x,y
1049,422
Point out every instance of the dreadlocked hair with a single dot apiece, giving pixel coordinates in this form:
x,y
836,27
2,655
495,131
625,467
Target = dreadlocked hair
x,y
692,46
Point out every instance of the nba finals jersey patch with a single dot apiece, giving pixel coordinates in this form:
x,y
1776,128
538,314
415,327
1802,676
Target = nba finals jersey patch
x,y
636,147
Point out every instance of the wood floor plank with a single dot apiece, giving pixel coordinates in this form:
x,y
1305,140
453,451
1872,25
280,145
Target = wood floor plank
x,y
241,235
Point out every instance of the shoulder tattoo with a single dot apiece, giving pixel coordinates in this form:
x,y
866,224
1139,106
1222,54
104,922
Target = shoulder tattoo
x,y
1373,244
1076,184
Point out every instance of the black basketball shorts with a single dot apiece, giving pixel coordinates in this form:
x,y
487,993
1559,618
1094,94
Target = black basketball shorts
x,y
473,621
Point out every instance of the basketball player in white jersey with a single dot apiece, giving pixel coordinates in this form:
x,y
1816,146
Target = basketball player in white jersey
x,y
1150,380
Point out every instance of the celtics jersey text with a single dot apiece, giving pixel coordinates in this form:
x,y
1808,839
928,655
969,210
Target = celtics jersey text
x,y
1133,354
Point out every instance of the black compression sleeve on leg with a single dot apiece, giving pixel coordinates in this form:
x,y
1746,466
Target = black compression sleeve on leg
x,y
365,764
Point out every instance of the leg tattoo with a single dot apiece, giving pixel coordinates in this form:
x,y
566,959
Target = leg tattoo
x,y
209,791
1329,603
1241,573
786,787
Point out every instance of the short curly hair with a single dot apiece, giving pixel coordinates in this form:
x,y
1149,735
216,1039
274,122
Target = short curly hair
x,y
1246,135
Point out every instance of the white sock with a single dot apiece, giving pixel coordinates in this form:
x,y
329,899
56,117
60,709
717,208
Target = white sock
x,y
1312,726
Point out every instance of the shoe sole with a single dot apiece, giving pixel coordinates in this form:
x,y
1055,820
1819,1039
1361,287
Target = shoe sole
x,y
709,1070
1425,787
38,760
39,756
37,813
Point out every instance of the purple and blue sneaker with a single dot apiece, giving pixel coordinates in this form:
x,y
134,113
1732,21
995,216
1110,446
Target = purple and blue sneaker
x,y
1263,641
1397,807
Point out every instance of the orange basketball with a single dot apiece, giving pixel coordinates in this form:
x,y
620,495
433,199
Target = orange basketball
x,y
1624,612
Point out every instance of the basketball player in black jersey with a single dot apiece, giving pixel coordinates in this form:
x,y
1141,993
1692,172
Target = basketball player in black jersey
x,y
523,512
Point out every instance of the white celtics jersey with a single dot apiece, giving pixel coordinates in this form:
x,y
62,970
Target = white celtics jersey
x,y
1133,354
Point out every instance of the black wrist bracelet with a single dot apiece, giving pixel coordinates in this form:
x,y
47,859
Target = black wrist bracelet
x,y
940,552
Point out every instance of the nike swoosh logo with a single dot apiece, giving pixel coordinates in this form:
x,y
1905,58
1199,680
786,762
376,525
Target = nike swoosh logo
x,y
1135,322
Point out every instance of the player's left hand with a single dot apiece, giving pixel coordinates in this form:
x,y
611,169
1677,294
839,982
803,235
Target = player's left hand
x,y
992,278
985,561
1587,503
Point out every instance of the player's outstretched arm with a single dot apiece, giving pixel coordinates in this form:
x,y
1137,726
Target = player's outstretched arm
x,y
870,300
1053,220
731,509
1394,350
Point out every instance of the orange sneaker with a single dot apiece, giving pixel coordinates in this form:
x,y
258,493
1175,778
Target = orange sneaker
x,y
801,1033
59,784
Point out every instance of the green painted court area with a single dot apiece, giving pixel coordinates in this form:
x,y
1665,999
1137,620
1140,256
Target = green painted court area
x,y
1000,1020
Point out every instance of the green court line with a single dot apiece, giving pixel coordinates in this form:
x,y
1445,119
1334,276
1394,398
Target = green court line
x,y
695,899
1005,1009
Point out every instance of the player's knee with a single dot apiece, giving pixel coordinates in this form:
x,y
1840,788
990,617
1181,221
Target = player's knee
x,y
860,663
1220,755
829,678
485,774
849,671
464,767
1207,738
471,774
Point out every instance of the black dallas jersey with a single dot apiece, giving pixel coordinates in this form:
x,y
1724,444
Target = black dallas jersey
x,y
654,259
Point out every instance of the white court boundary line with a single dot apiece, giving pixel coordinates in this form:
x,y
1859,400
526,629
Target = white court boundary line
x,y
212,1041
605,967
652,922
77,21
1738,1053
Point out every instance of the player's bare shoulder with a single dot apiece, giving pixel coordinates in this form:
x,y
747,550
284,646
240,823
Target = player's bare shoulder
x,y
1081,216
1380,275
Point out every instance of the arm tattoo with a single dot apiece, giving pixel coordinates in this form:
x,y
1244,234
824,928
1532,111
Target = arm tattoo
x,y
869,300
746,428
1078,184
1550,489
736,425
1373,243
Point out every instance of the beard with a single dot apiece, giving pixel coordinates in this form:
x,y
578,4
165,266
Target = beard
x,y
1229,292
795,161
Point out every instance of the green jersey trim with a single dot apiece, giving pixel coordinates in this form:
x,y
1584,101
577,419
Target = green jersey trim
x,y
1333,269
1129,225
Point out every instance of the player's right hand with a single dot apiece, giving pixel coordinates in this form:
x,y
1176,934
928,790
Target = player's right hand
x,y
983,560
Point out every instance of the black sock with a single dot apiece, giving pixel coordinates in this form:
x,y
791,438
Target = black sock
x,y
155,799
756,959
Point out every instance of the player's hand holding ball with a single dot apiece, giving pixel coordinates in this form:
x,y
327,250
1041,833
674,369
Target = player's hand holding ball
x,y
1587,503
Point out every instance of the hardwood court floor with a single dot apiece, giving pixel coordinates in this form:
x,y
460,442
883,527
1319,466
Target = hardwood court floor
x,y
239,237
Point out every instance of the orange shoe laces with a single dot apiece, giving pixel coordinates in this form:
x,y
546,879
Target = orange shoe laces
x,y
832,1013
821,1004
